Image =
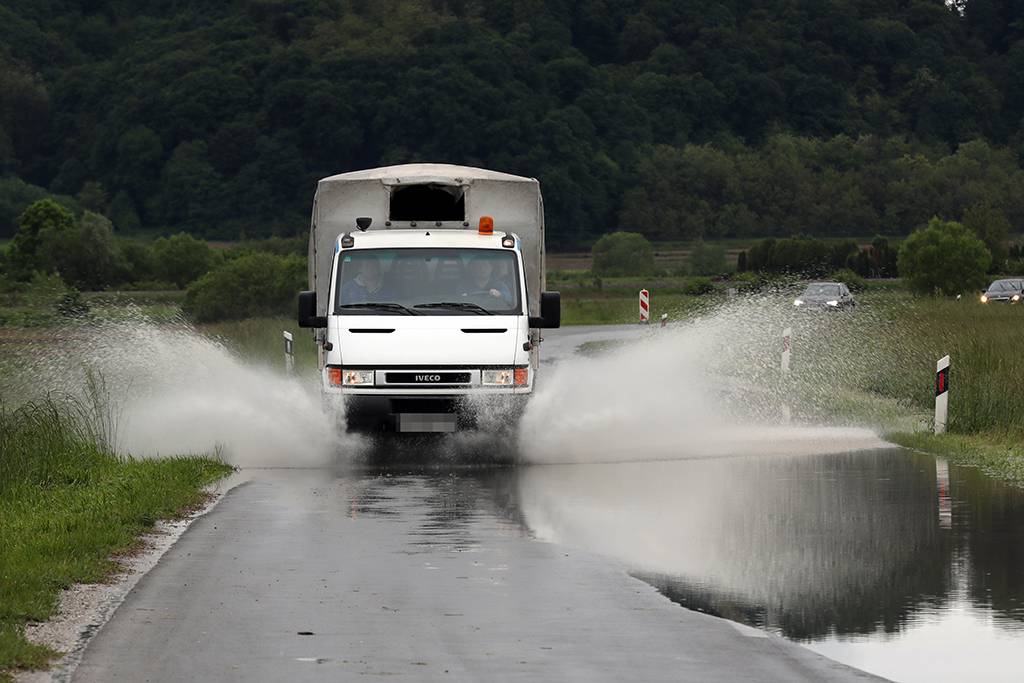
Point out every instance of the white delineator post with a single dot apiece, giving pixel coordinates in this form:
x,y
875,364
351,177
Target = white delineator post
x,y
645,307
941,394
787,344
289,353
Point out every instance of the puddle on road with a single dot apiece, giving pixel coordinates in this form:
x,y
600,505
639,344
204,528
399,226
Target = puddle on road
x,y
884,560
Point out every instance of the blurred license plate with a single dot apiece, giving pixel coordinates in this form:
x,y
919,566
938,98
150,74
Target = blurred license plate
x,y
426,422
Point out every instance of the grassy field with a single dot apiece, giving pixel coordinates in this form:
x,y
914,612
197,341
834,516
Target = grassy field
x,y
67,505
262,339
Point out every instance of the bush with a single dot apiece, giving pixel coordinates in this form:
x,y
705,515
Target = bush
x,y
698,286
135,262
854,281
248,286
42,230
623,253
747,282
707,259
944,258
804,256
182,258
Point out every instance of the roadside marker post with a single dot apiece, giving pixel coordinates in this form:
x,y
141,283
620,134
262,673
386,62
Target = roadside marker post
x,y
664,319
645,307
289,353
787,344
941,395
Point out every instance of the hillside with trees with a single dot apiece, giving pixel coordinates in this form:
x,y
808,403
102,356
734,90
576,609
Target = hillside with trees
x,y
676,119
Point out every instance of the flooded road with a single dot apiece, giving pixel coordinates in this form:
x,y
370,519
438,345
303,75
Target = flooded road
x,y
799,552
877,559
884,560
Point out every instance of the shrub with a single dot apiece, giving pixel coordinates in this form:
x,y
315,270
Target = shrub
x,y
747,282
945,258
248,286
135,261
623,253
798,255
698,286
854,281
42,228
707,259
182,258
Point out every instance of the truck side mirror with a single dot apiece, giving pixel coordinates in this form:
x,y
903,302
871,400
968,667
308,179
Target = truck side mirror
x,y
550,311
307,311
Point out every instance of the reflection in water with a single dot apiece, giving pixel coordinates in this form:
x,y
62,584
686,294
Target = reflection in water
x,y
860,555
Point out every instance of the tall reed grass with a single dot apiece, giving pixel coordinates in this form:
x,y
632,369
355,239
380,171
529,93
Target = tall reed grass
x,y
68,502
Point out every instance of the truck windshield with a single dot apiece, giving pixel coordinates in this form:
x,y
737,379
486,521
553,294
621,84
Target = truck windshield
x,y
428,282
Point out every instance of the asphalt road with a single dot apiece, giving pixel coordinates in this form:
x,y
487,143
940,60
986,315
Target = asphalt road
x,y
335,574
315,575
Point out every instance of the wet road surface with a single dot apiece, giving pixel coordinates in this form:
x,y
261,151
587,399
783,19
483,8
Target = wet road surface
x,y
887,561
305,575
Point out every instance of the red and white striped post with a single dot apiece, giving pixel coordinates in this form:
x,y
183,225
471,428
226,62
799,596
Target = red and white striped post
x,y
941,394
645,307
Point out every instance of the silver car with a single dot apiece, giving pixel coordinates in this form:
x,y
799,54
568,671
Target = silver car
x,y
1008,291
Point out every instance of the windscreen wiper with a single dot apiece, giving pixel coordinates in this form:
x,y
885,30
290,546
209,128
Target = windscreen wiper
x,y
459,306
383,306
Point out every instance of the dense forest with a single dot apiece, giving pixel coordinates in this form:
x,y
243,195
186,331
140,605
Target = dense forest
x,y
678,119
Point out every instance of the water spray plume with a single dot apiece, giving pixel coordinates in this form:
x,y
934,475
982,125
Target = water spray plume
x,y
709,387
162,390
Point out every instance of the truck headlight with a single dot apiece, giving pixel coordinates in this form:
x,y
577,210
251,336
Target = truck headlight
x,y
506,377
832,303
357,378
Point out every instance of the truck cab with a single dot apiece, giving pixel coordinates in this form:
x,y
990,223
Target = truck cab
x,y
426,295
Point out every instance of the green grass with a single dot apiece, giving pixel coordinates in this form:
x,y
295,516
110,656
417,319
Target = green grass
x,y
260,340
998,455
67,504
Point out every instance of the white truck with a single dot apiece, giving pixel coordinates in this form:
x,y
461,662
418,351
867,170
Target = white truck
x,y
427,294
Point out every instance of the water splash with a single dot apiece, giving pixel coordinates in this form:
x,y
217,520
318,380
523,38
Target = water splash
x,y
166,389
707,387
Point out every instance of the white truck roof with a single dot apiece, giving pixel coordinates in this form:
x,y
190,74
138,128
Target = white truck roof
x,y
514,202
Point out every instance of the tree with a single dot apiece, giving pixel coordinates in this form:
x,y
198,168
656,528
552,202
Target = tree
x,y
89,258
250,285
623,253
15,196
944,258
42,228
181,258
991,226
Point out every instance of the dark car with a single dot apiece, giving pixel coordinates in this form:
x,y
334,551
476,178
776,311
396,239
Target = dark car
x,y
1008,291
826,296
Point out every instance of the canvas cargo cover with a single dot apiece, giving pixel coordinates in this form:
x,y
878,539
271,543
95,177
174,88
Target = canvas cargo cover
x,y
513,201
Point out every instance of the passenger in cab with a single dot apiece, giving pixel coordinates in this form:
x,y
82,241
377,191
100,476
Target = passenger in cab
x,y
484,283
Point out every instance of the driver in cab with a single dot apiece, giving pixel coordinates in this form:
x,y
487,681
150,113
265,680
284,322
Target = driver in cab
x,y
368,285
485,285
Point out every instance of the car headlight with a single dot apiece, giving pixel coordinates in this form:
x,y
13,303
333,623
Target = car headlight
x,y
506,377
1016,297
832,303
984,299
357,378
798,302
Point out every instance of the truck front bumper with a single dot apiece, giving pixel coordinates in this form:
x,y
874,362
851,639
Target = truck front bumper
x,y
428,413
